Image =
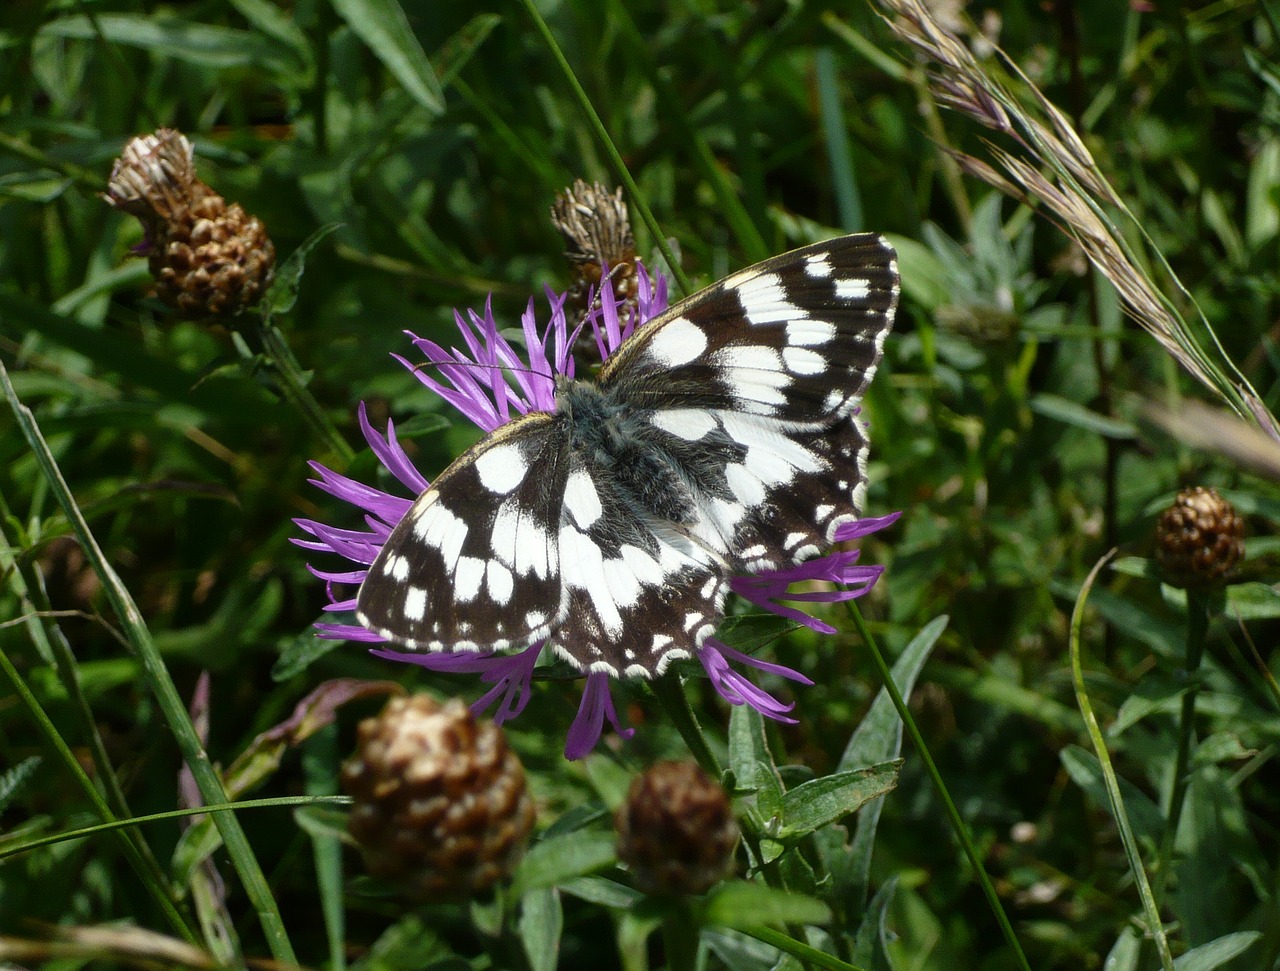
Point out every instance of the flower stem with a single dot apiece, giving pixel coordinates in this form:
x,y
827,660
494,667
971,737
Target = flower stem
x,y
953,814
1197,626
680,936
291,382
670,694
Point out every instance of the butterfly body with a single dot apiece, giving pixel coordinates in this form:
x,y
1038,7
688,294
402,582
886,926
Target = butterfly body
x,y
720,439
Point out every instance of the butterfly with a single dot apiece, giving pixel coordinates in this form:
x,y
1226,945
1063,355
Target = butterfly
x,y
721,439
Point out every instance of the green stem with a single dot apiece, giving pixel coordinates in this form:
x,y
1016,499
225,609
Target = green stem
x,y
1112,782
69,762
680,936
611,150
1197,627
49,639
291,381
670,693
161,685
953,814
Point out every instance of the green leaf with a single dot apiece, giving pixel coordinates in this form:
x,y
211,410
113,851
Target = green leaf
x,y
751,762
1253,601
383,26
218,47
283,293
815,804
1085,771
743,905
13,780
924,279
554,861
1077,415
1206,957
871,943
541,921
299,653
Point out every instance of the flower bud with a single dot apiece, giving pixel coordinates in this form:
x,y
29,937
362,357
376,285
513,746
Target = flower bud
x,y
596,227
1199,539
676,830
441,804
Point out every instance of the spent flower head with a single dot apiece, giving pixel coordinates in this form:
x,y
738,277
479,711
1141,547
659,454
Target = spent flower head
x,y
208,258
491,382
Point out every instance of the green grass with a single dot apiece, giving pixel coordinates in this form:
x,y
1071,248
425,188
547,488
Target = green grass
x,y
1022,420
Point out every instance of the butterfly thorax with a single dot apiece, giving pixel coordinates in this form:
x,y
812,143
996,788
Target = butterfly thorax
x,y
611,435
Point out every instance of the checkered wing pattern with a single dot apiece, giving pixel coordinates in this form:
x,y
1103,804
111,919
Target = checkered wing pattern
x,y
721,439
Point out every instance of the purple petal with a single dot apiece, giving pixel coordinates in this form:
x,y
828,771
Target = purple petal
x,y
862,527
596,706
737,690
391,455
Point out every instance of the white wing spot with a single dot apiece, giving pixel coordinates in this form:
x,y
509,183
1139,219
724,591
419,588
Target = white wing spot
x,y
801,360
581,499
425,502
397,567
501,468
823,511
534,619
678,342
765,300
500,583
853,289
793,539
818,265
692,620
660,641
810,333
690,424
746,488
466,579
415,603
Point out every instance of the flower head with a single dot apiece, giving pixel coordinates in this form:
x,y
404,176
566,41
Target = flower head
x,y
208,257
491,382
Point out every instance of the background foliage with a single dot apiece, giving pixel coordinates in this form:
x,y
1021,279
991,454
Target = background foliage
x,y
1005,425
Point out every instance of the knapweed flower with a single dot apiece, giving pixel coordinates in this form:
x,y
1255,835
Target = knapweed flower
x,y
491,383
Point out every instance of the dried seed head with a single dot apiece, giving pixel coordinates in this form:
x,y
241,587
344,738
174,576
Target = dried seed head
x,y
208,258
596,227
676,830
441,805
1199,539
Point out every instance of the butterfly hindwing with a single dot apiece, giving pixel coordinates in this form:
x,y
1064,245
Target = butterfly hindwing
x,y
634,588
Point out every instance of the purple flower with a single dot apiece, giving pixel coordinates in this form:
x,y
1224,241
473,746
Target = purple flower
x,y
491,382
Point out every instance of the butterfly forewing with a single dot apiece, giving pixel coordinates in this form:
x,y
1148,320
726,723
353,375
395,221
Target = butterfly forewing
x,y
475,563
722,438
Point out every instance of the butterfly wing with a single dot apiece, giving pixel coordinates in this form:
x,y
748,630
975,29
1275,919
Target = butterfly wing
x,y
638,593
754,383
475,563
736,449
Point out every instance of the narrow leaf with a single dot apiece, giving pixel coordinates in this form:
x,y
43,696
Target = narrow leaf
x,y
383,26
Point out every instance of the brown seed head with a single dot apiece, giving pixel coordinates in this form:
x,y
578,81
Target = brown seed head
x,y
208,258
676,830
596,227
1199,539
441,805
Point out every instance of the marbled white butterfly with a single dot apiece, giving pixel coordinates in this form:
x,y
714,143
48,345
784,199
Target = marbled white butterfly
x,y
721,439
